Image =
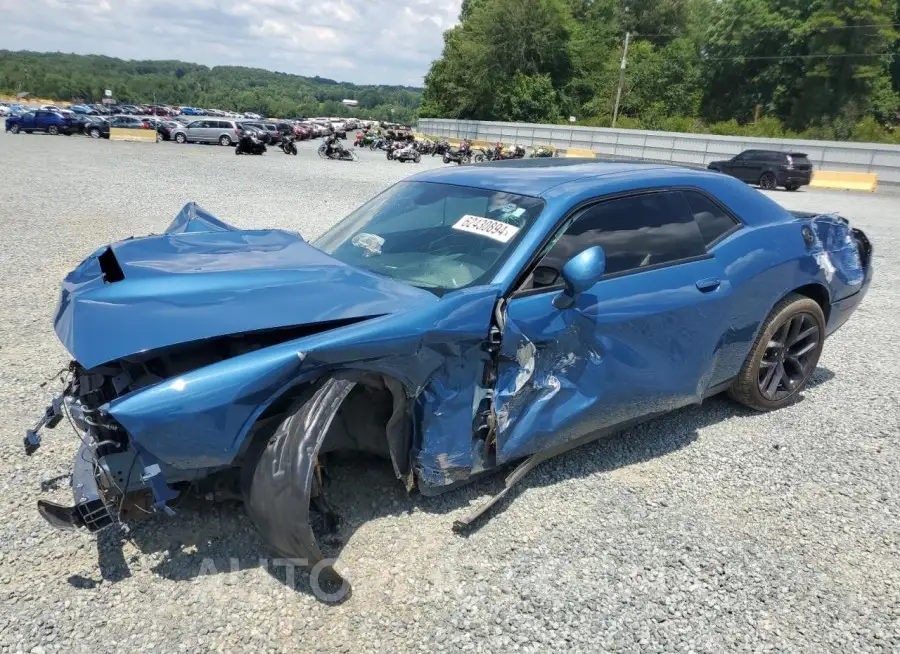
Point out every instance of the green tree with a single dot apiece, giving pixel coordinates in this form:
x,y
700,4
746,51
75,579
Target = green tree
x,y
497,40
531,98
67,77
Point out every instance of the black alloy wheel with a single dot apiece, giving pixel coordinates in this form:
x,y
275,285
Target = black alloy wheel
x,y
789,356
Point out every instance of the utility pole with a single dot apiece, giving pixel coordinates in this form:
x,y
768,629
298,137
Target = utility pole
x,y
621,78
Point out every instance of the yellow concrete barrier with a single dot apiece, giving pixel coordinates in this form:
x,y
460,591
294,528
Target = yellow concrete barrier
x,y
131,134
580,153
843,180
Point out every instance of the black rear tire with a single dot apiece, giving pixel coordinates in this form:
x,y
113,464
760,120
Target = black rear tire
x,y
768,182
752,379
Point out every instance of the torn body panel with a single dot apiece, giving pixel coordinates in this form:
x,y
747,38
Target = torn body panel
x,y
837,252
201,419
617,353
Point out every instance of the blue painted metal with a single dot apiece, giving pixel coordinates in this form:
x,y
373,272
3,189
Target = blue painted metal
x,y
630,346
188,285
627,346
580,274
199,419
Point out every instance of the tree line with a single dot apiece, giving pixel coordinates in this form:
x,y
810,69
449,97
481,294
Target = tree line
x,y
84,78
822,69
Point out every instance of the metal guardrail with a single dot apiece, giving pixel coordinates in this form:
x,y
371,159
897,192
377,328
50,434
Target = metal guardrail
x,y
694,149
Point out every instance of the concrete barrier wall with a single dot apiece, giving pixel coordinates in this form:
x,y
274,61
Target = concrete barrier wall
x,y
696,149
131,134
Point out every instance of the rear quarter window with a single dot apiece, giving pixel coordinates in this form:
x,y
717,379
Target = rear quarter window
x,y
714,222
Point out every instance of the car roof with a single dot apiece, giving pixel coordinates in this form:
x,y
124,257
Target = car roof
x,y
535,177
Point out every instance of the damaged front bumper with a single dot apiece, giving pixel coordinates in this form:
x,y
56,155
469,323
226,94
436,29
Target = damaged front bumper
x,y
90,510
107,473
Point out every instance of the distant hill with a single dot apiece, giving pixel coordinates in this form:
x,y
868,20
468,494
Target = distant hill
x,y
71,77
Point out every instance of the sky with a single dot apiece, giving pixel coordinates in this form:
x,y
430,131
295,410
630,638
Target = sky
x,y
361,41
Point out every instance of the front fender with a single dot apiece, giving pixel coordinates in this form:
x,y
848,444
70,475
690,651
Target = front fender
x,y
200,419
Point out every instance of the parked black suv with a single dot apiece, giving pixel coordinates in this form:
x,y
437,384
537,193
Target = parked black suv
x,y
768,168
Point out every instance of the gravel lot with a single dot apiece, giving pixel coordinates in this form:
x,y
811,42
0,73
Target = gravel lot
x,y
711,530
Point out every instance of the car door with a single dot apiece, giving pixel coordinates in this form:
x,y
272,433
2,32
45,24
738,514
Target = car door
x,y
202,130
41,119
642,341
754,166
737,166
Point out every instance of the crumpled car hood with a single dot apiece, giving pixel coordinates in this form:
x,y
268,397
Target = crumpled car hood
x,y
203,279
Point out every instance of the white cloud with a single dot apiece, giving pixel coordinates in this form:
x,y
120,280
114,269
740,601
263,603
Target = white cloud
x,y
362,41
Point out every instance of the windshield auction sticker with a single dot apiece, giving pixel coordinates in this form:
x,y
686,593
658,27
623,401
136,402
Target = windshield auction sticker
x,y
495,229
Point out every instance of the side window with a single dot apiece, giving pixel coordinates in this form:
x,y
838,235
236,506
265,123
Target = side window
x,y
712,219
635,232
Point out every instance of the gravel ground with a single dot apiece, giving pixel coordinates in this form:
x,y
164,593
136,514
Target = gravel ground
x,y
713,529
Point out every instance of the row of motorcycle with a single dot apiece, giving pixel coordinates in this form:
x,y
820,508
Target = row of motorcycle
x,y
397,147
465,153
331,147
411,149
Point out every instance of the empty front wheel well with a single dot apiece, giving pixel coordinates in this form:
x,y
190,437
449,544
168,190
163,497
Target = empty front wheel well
x,y
818,293
373,419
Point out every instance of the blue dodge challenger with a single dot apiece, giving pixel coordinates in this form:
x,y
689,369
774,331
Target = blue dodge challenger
x,y
462,320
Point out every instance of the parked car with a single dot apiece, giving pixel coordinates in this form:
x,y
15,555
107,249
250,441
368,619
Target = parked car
x,y
261,132
100,129
318,130
289,128
4,110
40,120
166,127
267,131
462,320
81,109
768,168
274,132
83,122
223,132
252,116
190,111
49,107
